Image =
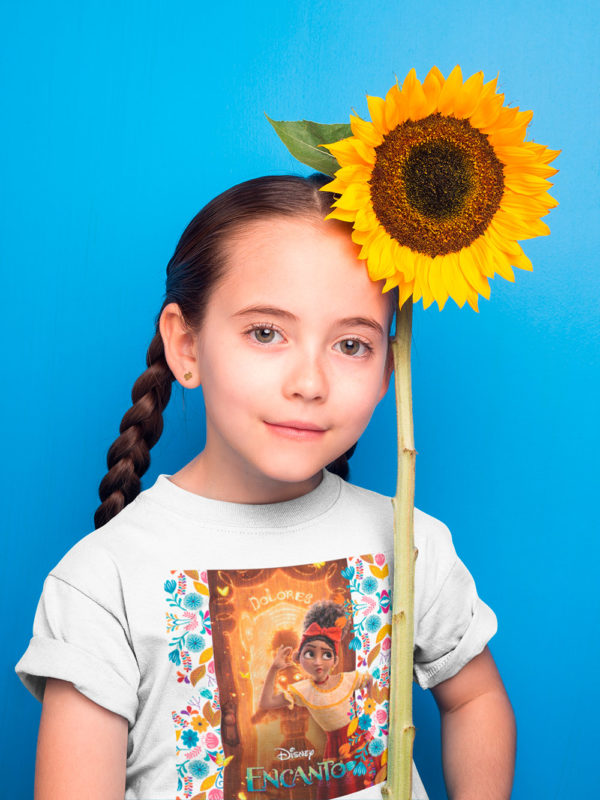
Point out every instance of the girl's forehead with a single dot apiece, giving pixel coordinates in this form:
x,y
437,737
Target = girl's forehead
x,y
318,643
301,265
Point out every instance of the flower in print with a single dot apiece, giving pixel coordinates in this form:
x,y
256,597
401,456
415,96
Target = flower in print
x,y
376,747
373,623
193,601
369,584
199,724
199,769
189,738
369,706
195,643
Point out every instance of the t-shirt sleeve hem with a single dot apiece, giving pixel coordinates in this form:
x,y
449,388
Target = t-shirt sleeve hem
x,y
481,629
51,658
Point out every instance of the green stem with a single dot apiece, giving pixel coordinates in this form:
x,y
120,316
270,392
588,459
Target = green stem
x,y
402,731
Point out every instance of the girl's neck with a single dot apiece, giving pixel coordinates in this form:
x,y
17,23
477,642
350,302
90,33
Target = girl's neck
x,y
218,484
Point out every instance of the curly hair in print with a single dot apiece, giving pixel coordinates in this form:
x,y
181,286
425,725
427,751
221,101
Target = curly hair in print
x,y
326,614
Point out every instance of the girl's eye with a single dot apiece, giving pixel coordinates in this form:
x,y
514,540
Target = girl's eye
x,y
327,654
352,347
264,334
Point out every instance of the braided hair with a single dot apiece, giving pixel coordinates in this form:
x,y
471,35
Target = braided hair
x,y
194,270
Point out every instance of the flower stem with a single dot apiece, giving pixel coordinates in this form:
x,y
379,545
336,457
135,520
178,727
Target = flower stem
x,y
402,731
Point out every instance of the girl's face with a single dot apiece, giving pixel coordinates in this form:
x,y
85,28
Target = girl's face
x,y
292,357
317,659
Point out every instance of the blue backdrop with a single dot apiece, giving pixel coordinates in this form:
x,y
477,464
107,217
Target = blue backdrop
x,y
121,120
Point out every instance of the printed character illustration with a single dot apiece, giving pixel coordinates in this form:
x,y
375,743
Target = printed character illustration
x,y
327,695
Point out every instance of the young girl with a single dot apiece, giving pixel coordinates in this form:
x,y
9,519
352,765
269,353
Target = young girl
x,y
148,634
328,694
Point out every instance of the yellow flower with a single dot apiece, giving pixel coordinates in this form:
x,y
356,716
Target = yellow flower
x,y
440,186
369,706
199,724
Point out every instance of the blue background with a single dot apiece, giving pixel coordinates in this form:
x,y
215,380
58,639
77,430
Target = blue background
x,y
120,121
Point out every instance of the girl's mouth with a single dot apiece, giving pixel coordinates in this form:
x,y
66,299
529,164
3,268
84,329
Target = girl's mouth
x,y
289,432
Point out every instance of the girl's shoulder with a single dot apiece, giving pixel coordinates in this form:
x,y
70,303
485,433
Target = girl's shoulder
x,y
96,563
428,530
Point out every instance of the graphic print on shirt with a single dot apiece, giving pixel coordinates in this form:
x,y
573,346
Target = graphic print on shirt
x,y
288,676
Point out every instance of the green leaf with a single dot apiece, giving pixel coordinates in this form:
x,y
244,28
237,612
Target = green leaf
x,y
302,138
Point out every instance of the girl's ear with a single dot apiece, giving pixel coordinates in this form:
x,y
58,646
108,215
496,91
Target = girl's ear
x,y
387,373
180,346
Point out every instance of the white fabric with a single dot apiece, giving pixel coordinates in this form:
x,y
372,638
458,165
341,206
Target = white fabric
x,y
100,622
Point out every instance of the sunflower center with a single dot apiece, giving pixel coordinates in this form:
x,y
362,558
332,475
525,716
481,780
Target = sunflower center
x,y
436,184
438,179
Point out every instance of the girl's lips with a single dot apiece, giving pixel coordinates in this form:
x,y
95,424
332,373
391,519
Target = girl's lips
x,y
294,433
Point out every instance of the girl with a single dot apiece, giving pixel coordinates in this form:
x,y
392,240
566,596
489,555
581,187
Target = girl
x,y
327,693
269,310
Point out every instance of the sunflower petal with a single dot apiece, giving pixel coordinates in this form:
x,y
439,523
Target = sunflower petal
x,y
338,213
404,292
472,300
422,263
470,270
396,109
366,238
354,173
483,255
539,170
469,96
542,153
503,267
418,105
521,261
351,151
376,106
527,184
337,186
523,204
404,259
499,242
365,218
379,266
436,283
454,280
514,228
432,85
355,196
449,91
365,131
391,283
489,106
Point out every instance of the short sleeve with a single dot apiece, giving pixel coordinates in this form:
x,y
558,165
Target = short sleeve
x,y
78,640
294,696
456,624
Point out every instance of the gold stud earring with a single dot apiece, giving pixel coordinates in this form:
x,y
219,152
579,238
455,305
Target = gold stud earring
x,y
187,376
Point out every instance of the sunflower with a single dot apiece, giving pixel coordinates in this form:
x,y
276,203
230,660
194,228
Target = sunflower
x,y
440,186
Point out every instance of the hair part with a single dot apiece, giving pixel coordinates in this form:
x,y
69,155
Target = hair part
x,y
196,267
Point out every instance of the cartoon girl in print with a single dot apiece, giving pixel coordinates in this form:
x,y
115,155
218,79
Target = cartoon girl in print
x,y
325,693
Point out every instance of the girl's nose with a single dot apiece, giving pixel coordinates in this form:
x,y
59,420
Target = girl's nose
x,y
306,377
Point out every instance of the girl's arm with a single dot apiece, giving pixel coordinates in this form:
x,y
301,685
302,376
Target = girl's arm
x,y
82,747
268,698
478,732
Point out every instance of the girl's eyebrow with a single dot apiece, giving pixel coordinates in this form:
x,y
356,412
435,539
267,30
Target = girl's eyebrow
x,y
365,322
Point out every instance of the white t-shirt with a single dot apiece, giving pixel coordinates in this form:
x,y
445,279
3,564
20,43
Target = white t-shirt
x,y
171,613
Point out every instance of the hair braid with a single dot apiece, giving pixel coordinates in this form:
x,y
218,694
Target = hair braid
x,y
129,455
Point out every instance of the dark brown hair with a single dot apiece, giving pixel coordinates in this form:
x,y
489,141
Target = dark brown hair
x,y
195,268
325,613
